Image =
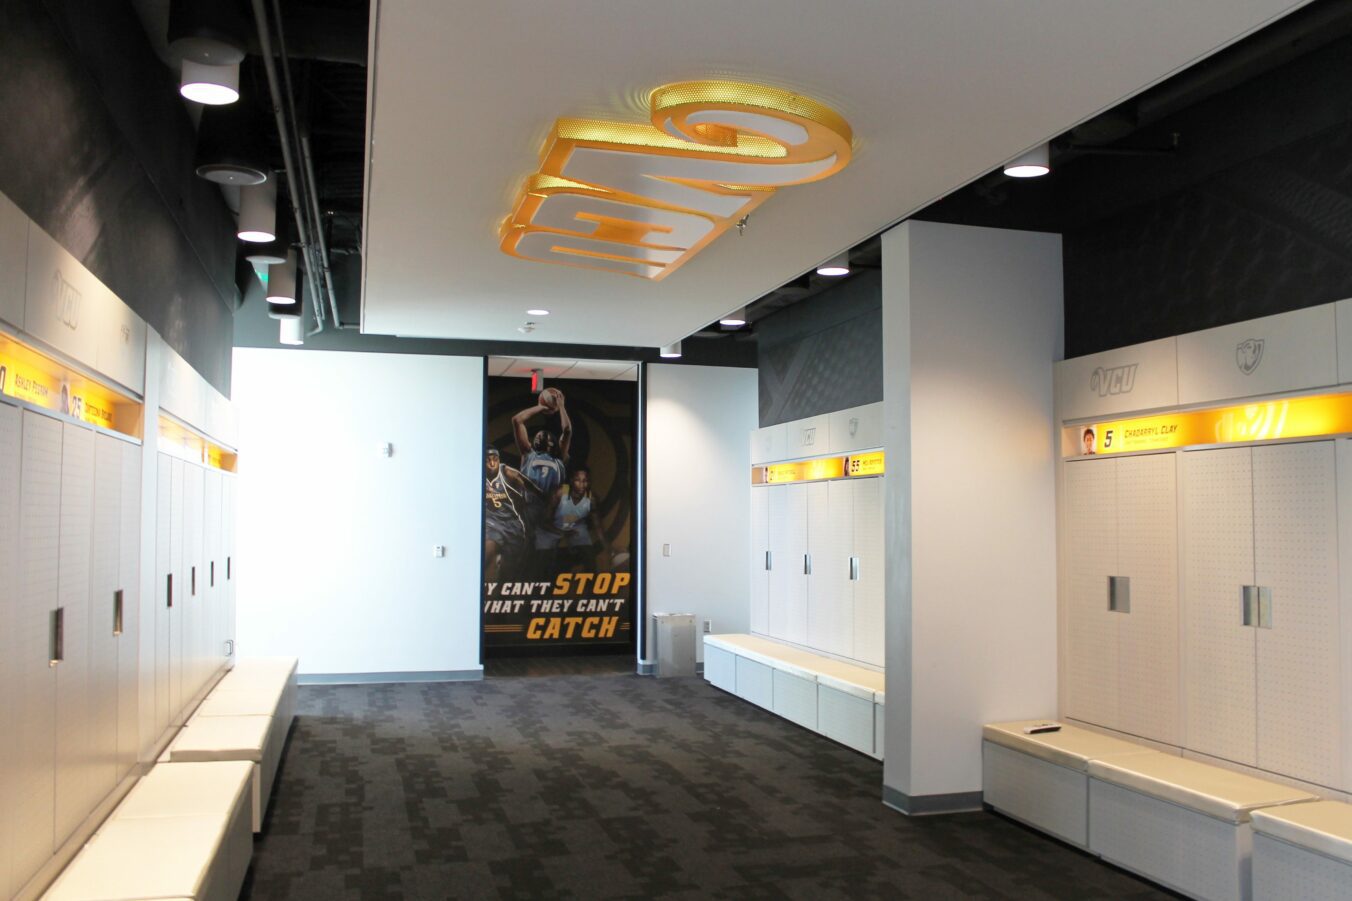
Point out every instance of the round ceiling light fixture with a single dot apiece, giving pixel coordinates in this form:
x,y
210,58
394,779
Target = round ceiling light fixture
x,y
258,212
537,312
836,266
209,85
1032,164
282,282
735,319
670,351
290,331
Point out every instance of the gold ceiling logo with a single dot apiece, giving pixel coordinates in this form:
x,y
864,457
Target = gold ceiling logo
x,y
642,200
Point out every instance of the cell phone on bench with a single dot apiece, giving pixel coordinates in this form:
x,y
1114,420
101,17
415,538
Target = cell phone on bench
x,y
1039,728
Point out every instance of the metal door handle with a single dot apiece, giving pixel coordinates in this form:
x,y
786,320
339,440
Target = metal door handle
x,y
193,586
1248,600
169,590
58,636
229,647
854,569
1264,607
227,568
212,576
117,612
1119,594
807,564
767,560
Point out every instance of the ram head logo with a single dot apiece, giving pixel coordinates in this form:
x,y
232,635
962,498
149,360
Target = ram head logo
x,y
1248,354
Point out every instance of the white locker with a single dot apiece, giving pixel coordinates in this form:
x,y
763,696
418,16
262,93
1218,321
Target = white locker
x,y
214,572
830,589
194,595
1298,660
164,578
34,770
129,583
869,600
1091,521
760,558
11,428
76,777
105,581
228,515
178,595
788,552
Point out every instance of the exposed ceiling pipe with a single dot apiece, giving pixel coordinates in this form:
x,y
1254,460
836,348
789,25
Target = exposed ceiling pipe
x,y
319,230
300,207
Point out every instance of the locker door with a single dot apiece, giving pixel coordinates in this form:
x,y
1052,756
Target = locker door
x,y
11,429
164,590
1091,518
35,714
129,582
830,591
1147,552
179,606
194,572
1218,557
214,572
788,546
1296,556
105,580
231,573
760,547
869,642
76,788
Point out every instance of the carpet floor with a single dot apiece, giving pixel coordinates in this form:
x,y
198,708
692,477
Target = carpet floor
x,y
611,785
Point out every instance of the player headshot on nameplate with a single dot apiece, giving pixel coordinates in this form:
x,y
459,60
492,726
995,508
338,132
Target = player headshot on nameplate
x,y
1088,440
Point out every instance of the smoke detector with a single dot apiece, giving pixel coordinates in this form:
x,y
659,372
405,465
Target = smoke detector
x,y
527,328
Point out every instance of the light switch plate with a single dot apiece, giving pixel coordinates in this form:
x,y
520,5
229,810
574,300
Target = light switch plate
x,y
439,550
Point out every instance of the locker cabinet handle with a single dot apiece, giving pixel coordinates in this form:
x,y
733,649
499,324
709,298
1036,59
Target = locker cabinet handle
x,y
854,569
58,636
228,559
169,590
767,560
117,612
807,564
212,583
193,586
229,647
1119,594
1248,599
1264,607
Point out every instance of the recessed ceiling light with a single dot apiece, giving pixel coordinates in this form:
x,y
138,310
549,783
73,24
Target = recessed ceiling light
x,y
1032,164
836,266
211,85
537,312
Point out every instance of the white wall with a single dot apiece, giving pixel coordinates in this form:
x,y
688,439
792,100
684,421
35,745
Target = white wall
x,y
335,541
972,323
699,493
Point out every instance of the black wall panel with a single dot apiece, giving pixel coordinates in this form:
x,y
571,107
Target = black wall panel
x,y
96,147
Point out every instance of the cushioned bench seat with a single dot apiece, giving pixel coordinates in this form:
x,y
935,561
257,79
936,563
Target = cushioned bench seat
x,y
241,738
1303,852
840,700
153,857
1182,823
255,673
1042,779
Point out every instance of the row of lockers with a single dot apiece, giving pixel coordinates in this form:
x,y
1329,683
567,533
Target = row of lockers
x,y
841,432
76,678
817,566
1203,604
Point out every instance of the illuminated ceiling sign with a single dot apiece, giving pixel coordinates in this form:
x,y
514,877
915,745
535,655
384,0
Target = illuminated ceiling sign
x,y
853,466
1294,417
642,200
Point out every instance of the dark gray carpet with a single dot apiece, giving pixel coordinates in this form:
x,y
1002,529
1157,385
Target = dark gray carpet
x,y
615,786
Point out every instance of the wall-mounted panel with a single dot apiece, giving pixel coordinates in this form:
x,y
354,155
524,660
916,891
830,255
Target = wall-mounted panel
x,y
121,350
182,391
769,443
808,437
1342,311
62,300
1287,352
1140,377
13,263
858,428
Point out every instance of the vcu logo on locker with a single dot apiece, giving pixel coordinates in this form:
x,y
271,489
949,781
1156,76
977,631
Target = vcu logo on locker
x,y
1248,354
67,301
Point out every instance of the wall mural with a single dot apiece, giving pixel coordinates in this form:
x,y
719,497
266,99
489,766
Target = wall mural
x,y
558,502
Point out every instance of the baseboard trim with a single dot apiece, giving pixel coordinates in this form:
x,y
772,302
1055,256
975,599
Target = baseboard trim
x,y
462,675
646,669
930,805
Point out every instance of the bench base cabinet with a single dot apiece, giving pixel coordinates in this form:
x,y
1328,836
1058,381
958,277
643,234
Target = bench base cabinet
x,y
795,699
1043,795
754,683
845,718
720,668
1285,872
1189,852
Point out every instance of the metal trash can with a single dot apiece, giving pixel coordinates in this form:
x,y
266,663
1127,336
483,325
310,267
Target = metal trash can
x,y
675,634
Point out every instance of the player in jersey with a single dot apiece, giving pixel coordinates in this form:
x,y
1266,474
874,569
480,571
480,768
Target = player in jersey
x,y
543,457
504,530
573,531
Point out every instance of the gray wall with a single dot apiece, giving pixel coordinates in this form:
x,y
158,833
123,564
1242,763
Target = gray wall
x,y
823,354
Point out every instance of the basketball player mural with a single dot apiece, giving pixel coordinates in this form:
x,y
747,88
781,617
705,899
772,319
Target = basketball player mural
x,y
505,490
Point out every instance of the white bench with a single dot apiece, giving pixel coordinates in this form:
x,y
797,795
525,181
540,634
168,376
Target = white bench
x,y
237,738
1043,779
1303,852
842,701
1181,823
182,832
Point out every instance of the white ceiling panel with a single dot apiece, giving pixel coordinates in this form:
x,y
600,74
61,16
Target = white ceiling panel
x,y
937,92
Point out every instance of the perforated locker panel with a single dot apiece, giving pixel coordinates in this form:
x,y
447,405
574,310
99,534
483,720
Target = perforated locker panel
x,y
1091,517
35,716
178,633
129,581
76,792
164,568
104,582
10,433
760,546
1296,555
869,603
830,593
1283,872
788,545
1147,552
1219,666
